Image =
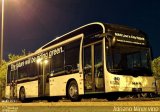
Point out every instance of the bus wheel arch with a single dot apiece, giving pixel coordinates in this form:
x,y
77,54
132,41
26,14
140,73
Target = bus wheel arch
x,y
22,94
72,91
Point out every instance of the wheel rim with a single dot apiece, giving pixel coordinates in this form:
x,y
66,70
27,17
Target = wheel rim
x,y
73,91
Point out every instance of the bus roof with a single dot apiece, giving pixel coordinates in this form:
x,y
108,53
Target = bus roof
x,y
86,30
82,29
102,27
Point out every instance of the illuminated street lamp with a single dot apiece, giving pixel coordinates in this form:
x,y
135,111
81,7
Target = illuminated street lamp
x,y
2,33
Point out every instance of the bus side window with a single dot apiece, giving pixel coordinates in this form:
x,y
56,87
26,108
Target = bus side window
x,y
33,69
72,55
9,74
68,69
58,62
23,71
98,61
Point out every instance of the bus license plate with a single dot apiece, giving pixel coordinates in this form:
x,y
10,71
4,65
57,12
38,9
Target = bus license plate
x,y
136,89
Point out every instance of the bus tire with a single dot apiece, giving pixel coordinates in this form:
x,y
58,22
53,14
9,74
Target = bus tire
x,y
72,91
112,97
22,95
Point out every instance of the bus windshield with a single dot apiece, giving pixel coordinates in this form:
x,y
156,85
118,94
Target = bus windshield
x,y
129,60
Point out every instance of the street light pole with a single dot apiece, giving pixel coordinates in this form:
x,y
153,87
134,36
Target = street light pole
x,y
2,33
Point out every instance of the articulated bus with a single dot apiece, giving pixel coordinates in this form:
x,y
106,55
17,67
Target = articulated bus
x,y
94,60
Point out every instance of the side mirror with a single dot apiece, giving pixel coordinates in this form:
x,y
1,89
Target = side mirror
x,y
113,41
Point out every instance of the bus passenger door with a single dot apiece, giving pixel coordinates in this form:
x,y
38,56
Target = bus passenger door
x,y
13,85
43,82
93,68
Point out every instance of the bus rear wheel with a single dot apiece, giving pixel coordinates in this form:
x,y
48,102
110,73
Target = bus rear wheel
x,y
72,91
22,95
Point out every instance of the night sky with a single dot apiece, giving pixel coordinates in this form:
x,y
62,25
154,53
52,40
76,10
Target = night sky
x,y
29,24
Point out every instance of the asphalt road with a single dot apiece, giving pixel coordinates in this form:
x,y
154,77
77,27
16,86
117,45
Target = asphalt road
x,y
94,105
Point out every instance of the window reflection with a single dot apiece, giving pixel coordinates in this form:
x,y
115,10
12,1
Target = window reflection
x,y
128,60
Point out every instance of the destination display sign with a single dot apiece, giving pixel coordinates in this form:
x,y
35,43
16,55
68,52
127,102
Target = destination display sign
x,y
129,38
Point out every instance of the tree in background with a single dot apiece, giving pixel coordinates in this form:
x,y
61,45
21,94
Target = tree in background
x,y
156,73
156,67
3,71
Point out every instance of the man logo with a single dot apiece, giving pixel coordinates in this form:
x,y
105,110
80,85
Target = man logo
x,y
136,83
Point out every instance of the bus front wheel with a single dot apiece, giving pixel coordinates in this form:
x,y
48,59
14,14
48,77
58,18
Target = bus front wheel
x,y
72,91
22,95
